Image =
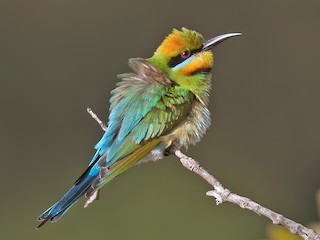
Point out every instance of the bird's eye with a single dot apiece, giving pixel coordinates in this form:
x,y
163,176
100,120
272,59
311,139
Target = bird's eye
x,y
174,61
185,54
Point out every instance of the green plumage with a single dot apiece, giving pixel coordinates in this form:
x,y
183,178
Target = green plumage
x,y
151,106
160,104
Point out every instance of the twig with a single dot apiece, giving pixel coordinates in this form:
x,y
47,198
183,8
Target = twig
x,y
222,194
93,197
95,117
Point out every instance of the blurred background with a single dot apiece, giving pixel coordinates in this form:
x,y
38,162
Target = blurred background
x,y
59,57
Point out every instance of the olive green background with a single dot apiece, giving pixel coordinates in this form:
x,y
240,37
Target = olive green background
x,y
58,57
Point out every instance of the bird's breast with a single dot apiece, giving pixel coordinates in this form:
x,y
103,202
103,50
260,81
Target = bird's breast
x,y
192,128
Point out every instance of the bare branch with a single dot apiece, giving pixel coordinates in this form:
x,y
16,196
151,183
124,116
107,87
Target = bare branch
x,y
222,194
95,117
93,197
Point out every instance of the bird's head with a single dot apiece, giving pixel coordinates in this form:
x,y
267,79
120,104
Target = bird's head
x,y
186,58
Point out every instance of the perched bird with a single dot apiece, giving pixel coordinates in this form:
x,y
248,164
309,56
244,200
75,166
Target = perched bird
x,y
161,104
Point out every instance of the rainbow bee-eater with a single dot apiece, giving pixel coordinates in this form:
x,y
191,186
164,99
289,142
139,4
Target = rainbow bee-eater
x,y
161,104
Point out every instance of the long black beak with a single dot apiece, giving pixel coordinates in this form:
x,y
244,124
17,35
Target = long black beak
x,y
216,40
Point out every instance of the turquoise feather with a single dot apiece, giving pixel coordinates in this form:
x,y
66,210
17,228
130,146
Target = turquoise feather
x,y
160,104
141,113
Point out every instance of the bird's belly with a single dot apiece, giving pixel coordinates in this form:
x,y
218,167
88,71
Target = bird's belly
x,y
154,155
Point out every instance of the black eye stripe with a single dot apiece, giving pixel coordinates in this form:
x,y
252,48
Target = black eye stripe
x,y
201,71
174,61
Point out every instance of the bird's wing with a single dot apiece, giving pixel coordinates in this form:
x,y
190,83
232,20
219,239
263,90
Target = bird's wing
x,y
134,97
139,116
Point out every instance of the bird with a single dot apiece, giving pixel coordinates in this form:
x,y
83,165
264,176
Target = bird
x,y
161,104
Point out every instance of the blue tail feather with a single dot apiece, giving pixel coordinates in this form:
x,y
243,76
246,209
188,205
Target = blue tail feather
x,y
56,211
